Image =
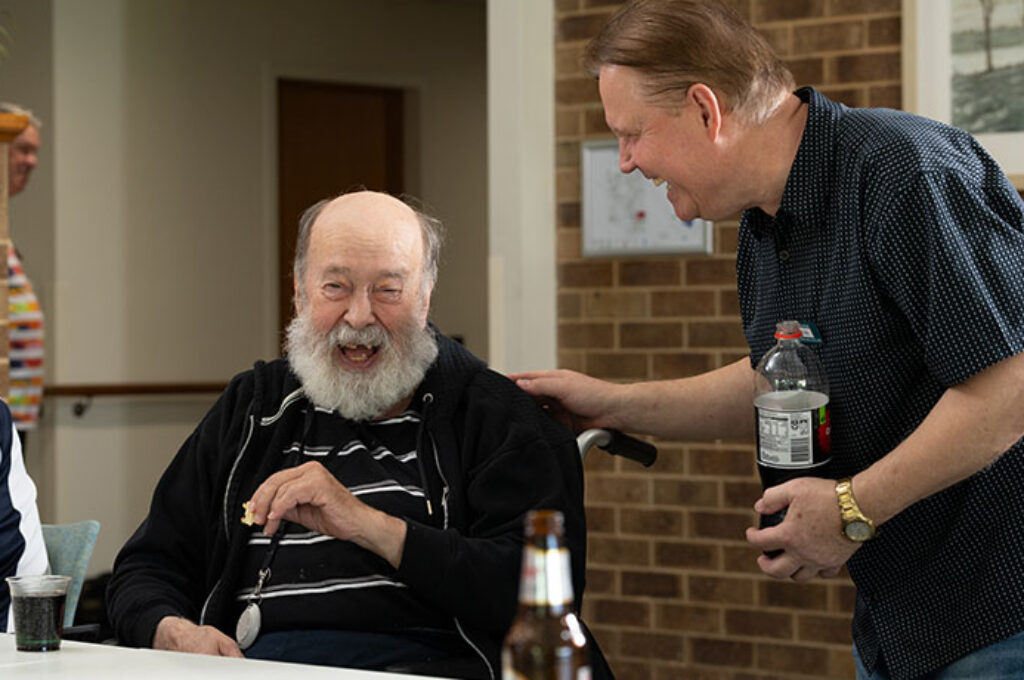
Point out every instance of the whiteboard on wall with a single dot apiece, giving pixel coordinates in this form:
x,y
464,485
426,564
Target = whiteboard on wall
x,y
628,214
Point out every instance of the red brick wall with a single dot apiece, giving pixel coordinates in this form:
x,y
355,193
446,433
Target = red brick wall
x,y
673,588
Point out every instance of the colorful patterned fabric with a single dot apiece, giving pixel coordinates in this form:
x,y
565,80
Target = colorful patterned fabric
x,y
25,319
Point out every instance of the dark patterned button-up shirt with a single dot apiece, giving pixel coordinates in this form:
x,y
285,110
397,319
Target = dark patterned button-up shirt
x,y
901,239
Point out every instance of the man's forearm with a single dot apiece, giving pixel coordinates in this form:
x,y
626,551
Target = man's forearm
x,y
384,535
714,405
970,427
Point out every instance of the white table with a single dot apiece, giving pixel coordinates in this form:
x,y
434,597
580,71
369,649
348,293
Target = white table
x,y
85,661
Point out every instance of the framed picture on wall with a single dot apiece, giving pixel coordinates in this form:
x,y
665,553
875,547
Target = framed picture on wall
x,y
963,64
625,215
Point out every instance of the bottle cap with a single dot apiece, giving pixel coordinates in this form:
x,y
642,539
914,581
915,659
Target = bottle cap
x,y
788,330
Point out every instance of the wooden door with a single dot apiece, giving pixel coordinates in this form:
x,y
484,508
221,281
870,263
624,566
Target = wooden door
x,y
331,138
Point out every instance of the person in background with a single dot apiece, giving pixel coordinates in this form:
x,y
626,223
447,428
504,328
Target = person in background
x,y
902,241
22,550
25,317
390,471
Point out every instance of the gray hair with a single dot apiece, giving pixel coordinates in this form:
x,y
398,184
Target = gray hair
x,y
431,228
8,107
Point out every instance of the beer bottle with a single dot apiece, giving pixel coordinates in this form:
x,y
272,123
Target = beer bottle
x,y
546,640
792,411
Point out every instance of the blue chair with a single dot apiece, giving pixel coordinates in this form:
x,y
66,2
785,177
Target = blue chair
x,y
69,548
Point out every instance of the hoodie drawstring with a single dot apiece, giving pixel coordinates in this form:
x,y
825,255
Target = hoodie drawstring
x,y
428,399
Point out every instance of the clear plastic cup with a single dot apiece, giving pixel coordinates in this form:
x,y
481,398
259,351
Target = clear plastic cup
x,y
38,606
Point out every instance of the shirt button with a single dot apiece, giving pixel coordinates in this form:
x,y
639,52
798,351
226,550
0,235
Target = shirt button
x,y
783,255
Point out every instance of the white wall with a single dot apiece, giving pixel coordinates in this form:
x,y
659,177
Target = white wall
x,y
26,78
521,141
161,148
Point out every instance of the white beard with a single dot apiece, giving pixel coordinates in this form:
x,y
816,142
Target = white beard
x,y
402,361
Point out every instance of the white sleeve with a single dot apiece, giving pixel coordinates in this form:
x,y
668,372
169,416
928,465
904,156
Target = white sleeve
x,y
22,493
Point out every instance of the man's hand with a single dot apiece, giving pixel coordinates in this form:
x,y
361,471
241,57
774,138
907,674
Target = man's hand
x,y
181,635
311,496
712,405
577,400
810,536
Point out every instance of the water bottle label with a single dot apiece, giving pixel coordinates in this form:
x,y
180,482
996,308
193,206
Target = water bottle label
x,y
793,439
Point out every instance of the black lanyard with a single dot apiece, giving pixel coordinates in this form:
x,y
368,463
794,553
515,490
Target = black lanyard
x,y
263,575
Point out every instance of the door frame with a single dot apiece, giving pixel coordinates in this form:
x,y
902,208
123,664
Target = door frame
x,y
521,266
414,89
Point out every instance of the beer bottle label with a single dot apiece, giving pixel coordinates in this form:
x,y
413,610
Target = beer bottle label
x,y
546,578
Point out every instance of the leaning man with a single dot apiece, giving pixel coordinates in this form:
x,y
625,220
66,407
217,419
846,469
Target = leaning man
x,y
384,472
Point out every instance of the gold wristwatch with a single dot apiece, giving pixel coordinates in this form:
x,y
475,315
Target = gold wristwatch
x,y
856,525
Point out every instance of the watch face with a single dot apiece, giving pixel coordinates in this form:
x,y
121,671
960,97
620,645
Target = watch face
x,y
858,531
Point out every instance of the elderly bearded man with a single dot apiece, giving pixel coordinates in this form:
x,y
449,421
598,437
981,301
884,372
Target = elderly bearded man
x,y
389,468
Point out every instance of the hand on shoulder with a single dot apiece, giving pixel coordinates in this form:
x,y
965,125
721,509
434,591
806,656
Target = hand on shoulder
x,y
578,400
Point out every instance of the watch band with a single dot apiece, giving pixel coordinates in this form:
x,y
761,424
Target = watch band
x,y
856,525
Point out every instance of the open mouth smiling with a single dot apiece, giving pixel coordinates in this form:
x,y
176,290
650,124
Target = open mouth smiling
x,y
358,355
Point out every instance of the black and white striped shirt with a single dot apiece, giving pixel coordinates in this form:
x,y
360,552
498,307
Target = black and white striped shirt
x,y
319,582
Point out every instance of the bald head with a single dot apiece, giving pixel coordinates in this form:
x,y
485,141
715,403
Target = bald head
x,y
370,212
376,212
369,205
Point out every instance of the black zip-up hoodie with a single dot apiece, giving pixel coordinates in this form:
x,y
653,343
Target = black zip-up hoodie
x,y
489,455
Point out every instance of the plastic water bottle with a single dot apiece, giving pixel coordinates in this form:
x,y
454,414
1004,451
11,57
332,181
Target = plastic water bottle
x,y
792,411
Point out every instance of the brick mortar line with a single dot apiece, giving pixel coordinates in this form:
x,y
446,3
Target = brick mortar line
x,y
676,665
827,19
853,52
658,601
845,51
793,641
726,637
843,616
857,84
585,11
756,577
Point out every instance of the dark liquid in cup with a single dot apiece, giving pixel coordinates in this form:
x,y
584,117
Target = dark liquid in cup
x,y
39,621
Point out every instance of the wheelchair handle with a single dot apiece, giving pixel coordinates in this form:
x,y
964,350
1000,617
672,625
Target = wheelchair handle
x,y
617,444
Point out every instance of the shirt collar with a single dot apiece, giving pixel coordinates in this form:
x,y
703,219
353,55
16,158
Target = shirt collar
x,y
812,177
809,186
